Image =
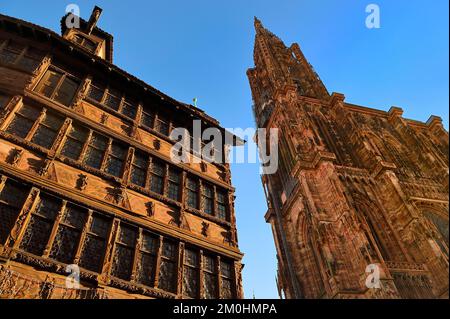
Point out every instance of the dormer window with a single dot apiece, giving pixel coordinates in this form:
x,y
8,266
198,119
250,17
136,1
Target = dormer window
x,y
89,36
86,43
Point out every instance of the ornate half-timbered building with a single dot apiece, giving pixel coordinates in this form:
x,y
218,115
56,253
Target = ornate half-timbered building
x,y
86,179
355,187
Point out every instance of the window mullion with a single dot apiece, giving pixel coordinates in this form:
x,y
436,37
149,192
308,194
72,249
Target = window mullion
x,y
219,278
22,219
165,180
180,267
140,109
106,154
214,199
158,262
110,247
200,194
35,126
121,104
52,236
58,85
84,232
85,145
61,135
128,161
105,93
148,173
201,276
183,188
137,249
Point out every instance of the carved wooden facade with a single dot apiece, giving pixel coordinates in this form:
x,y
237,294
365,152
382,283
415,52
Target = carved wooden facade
x,y
87,180
355,186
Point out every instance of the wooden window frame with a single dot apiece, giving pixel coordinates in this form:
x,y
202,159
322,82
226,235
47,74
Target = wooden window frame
x,y
64,74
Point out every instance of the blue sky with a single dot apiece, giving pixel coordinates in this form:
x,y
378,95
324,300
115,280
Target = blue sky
x,y
202,49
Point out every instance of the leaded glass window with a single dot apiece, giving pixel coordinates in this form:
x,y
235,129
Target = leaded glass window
x,y
207,199
192,192
222,205
66,91
146,264
168,267
210,280
157,177
86,43
147,118
173,189
47,130
226,274
191,273
162,125
129,109
112,99
124,252
59,86
31,59
12,198
11,52
23,121
139,168
96,92
74,142
40,225
94,245
116,158
48,83
69,231
96,150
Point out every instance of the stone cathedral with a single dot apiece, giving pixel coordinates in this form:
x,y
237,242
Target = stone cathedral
x,y
358,191
87,185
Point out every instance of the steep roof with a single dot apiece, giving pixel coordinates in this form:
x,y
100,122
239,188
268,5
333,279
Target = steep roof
x,y
19,25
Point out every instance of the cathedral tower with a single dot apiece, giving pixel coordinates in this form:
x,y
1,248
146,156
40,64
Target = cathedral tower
x,y
357,189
